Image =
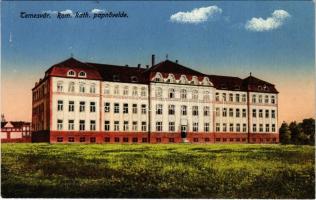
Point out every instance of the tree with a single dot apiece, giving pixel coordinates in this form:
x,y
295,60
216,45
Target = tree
x,y
308,127
285,134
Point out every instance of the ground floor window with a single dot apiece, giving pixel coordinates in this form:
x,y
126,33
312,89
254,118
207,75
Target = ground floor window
x,y
195,139
171,140
144,140
116,139
244,139
231,139
158,140
60,139
82,139
218,139
254,139
274,139
71,139
125,139
135,139
238,139
106,139
224,139
92,139
207,139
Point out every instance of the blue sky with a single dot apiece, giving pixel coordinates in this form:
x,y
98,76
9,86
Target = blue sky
x,y
221,44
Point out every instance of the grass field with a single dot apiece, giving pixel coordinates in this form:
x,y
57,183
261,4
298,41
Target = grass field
x,y
157,171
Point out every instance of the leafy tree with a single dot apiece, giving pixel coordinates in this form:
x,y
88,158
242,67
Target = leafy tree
x,y
285,134
308,127
295,132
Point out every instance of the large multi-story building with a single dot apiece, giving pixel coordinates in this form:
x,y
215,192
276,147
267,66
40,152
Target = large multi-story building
x,y
164,103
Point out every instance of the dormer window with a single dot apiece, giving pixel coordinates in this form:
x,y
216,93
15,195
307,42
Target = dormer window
x,y
183,79
71,73
171,79
82,74
237,87
194,81
259,87
206,81
265,88
158,77
134,79
116,77
223,86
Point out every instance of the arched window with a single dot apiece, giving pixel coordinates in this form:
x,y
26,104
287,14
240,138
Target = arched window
x,y
171,78
158,77
143,92
82,88
82,74
71,73
59,86
183,93
171,93
183,79
195,94
194,80
71,87
206,81
135,91
272,99
116,89
206,96
159,92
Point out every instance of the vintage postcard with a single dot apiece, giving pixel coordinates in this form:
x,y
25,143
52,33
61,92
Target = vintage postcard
x,y
158,99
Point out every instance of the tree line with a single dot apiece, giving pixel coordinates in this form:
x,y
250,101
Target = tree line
x,y
298,133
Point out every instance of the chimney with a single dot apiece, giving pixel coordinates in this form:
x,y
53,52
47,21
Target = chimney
x,y
153,60
147,66
138,67
177,61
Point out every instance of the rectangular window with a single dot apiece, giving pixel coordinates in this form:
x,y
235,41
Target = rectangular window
x,y
216,96
92,125
184,110
144,109
237,98
272,99
71,106
116,139
267,128
231,127
81,125
158,126
273,128
244,113
267,114
260,127
144,126
144,140
125,127
254,113
206,110
231,97
106,107
106,139
92,140
71,124
60,139
59,124
244,127
237,127
272,113
254,128
171,109
218,127
260,99
254,98
224,127
195,110
158,140
134,126
106,125
60,105
92,106
207,139
171,126
171,140
195,139
224,96
92,89
266,99
82,139
125,108
206,127
59,87
224,112
135,140
116,125
159,109
71,139
237,112
116,108
231,112
217,112
260,113
243,98
81,88
134,109
82,106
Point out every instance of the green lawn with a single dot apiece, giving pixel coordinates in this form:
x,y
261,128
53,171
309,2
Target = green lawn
x,y
157,171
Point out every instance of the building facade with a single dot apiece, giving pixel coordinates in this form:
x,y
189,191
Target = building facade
x,y
165,103
15,131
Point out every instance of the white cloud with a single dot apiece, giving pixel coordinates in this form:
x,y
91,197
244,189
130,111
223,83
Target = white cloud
x,y
276,20
195,16
97,11
65,12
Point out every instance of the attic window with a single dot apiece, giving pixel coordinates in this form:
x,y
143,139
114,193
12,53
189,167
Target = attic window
x,y
82,74
223,86
237,87
116,77
134,79
71,73
259,87
265,88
